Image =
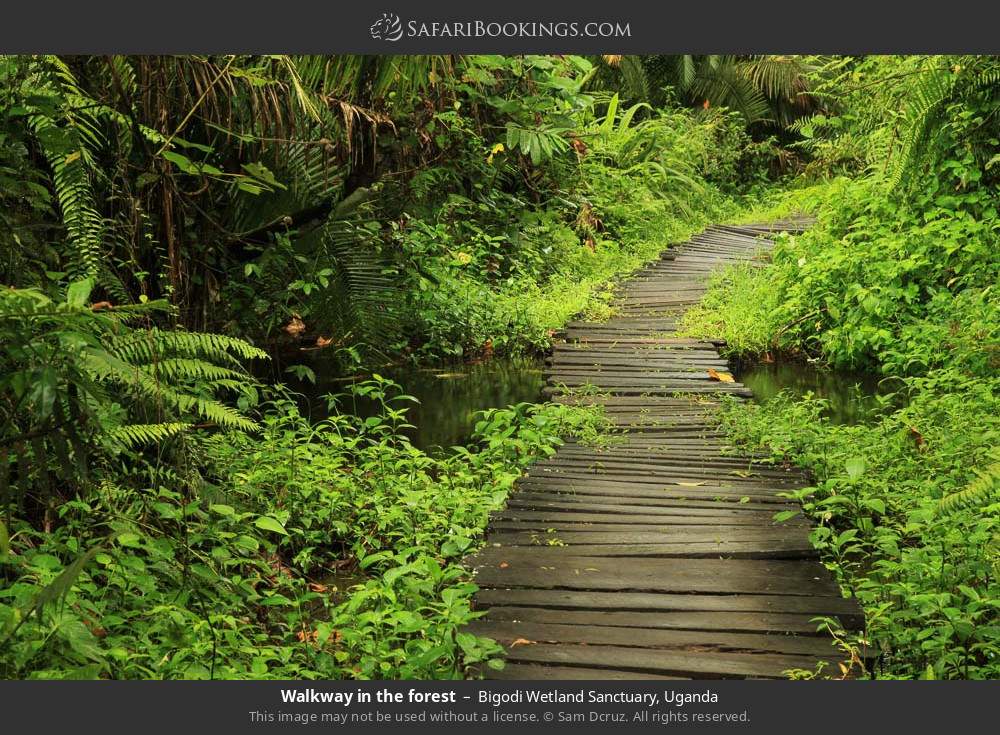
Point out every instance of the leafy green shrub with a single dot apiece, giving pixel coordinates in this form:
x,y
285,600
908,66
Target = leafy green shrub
x,y
82,383
927,581
741,307
238,570
899,276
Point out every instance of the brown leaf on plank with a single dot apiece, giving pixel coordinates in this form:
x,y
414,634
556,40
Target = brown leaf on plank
x,y
721,377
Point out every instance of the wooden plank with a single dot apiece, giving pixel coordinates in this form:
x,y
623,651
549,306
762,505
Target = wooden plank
x,y
725,620
691,664
669,460
695,496
718,549
652,502
679,474
555,517
506,632
541,501
536,672
629,601
669,535
728,484
656,525
545,568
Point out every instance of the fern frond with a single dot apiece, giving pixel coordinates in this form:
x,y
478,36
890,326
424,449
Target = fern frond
x,y
725,86
143,382
131,436
75,195
926,101
982,491
184,369
145,346
635,82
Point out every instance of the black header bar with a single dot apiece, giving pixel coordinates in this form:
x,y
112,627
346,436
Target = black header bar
x,y
511,26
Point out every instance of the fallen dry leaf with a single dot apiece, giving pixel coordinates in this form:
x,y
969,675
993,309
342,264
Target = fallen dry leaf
x,y
721,377
504,565
522,642
323,342
295,326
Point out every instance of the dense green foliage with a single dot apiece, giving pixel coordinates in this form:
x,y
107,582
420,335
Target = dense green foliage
x,y
898,276
224,565
167,223
437,205
164,219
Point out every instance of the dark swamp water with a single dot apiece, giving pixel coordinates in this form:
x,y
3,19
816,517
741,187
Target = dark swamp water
x,y
853,397
449,396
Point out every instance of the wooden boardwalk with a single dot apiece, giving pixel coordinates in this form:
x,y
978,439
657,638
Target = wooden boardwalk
x,y
656,556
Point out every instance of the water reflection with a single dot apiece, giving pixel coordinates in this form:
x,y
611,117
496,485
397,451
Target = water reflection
x,y
449,395
852,396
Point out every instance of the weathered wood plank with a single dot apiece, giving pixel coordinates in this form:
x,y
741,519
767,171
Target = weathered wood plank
x,y
670,535
506,632
546,568
630,601
556,517
690,664
651,502
559,673
732,622
719,549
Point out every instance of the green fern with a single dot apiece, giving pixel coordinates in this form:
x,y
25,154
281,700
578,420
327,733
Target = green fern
x,y
74,192
133,436
765,89
69,143
982,491
73,378
175,389
937,87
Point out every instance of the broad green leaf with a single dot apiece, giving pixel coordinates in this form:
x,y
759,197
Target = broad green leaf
x,y
78,292
855,467
270,524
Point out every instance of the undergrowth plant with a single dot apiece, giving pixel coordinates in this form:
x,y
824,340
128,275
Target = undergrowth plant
x,y
898,277
328,550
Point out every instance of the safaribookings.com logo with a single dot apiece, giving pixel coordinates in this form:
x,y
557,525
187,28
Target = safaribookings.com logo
x,y
387,28
390,28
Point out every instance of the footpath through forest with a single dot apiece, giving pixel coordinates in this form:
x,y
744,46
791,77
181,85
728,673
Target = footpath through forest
x,y
656,556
